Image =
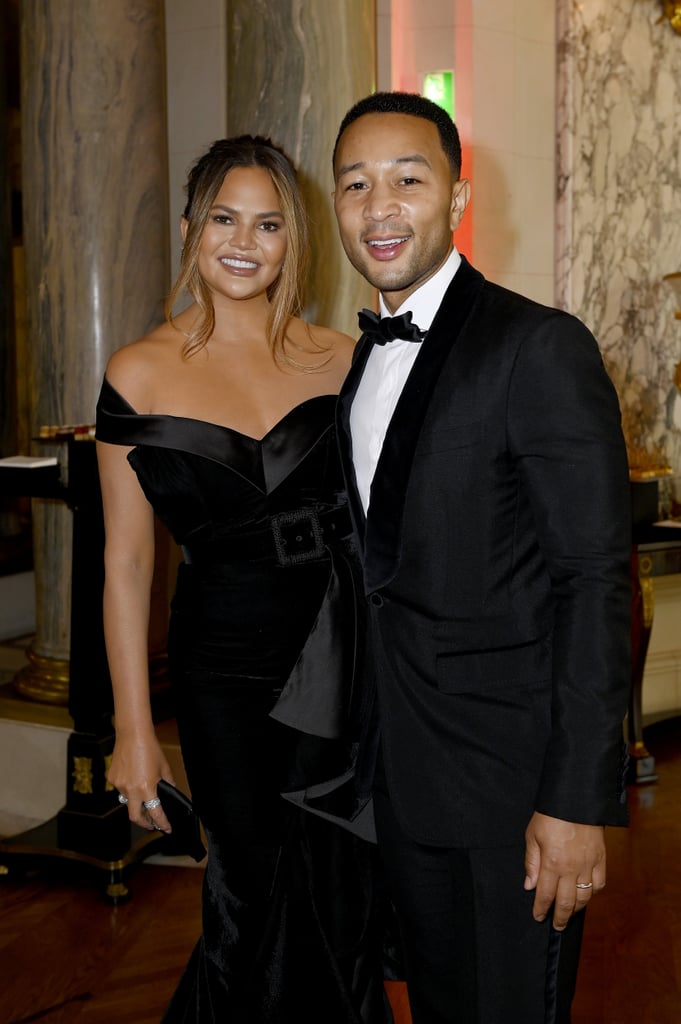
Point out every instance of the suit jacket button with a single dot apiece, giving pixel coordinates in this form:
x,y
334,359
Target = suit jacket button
x,y
376,600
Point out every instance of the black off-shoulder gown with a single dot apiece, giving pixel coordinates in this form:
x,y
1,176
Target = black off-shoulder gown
x,y
263,631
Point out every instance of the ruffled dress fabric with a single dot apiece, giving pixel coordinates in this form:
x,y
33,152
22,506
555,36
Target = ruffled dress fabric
x,y
262,651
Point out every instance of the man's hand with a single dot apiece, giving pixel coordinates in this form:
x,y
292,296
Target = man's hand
x,y
561,859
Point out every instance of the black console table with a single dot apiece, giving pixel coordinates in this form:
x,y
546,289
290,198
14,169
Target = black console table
x,y
656,552
92,827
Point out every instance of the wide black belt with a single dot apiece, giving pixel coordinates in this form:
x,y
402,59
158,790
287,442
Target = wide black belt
x,y
290,538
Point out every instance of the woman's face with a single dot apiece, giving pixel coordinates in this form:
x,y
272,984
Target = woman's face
x,y
244,242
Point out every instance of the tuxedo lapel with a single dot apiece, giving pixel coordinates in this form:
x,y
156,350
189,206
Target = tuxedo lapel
x,y
345,400
382,539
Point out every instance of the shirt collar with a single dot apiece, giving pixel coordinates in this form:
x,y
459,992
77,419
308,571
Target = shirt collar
x,y
425,301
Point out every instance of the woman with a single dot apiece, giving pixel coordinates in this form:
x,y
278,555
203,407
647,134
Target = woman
x,y
221,422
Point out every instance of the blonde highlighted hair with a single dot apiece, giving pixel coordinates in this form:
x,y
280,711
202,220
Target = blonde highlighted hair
x,y
204,182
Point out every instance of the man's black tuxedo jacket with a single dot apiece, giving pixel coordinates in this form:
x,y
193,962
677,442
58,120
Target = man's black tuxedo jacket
x,y
496,556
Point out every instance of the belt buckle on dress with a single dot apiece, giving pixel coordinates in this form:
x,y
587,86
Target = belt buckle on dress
x,y
289,529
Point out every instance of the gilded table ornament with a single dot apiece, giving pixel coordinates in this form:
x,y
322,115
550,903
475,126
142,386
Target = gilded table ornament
x,y
672,12
82,774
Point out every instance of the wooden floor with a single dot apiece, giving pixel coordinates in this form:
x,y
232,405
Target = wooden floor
x,y
69,958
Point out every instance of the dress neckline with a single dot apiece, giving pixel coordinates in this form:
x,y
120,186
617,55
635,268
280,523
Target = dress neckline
x,y
221,426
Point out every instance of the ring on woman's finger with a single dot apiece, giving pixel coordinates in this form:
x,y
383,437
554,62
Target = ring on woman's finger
x,y
585,885
149,805
122,799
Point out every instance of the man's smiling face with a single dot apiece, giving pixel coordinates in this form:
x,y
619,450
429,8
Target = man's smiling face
x,y
396,201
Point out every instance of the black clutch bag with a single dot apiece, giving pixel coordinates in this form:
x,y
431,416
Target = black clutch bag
x,y
186,835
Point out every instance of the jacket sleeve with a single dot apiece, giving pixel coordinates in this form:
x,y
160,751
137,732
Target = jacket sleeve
x,y
565,434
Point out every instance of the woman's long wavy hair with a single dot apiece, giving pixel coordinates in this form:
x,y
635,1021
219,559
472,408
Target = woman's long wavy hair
x,y
204,182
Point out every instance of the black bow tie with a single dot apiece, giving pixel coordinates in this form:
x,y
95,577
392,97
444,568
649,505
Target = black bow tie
x,y
389,328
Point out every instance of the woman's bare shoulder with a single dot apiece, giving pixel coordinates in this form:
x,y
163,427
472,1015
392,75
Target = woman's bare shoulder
x,y
330,340
134,368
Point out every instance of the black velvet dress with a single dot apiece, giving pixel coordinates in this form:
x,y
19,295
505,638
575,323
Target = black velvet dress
x,y
262,642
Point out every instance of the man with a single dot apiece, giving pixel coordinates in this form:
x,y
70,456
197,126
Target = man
x,y
489,487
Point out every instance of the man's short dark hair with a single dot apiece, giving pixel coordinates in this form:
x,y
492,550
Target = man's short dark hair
x,y
415,105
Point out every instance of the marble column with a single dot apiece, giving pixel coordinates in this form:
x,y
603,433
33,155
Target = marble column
x,y
95,234
293,69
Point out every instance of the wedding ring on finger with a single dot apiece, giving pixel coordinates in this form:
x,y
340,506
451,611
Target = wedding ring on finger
x,y
585,885
122,799
150,805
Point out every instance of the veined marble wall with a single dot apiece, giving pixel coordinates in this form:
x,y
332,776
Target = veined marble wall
x,y
619,202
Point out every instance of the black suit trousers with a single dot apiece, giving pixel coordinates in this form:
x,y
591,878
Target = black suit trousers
x,y
473,952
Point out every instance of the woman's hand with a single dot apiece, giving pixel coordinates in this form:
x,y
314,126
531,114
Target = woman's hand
x,y
136,766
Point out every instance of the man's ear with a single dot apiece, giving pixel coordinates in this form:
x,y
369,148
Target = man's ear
x,y
461,194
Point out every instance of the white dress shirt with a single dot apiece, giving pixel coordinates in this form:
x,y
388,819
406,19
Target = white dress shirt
x,y
385,373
